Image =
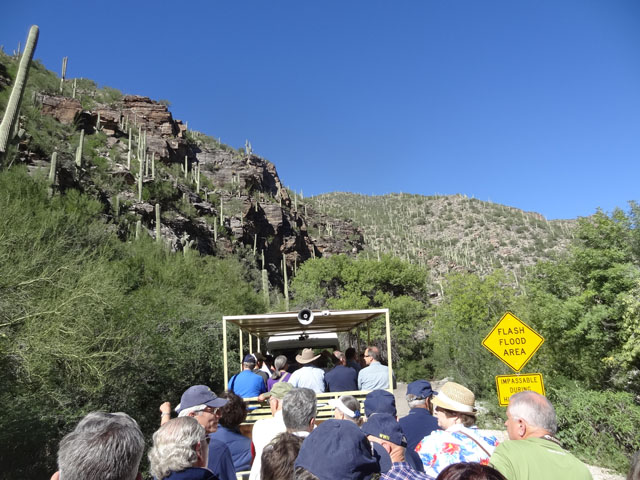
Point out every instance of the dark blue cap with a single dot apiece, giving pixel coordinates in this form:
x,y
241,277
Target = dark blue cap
x,y
337,449
421,389
379,401
200,395
386,427
249,358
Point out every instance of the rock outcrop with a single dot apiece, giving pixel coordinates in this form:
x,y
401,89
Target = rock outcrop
x,y
244,189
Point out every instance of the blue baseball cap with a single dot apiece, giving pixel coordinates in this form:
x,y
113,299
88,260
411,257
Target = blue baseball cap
x,y
421,389
379,401
200,395
249,358
337,449
386,427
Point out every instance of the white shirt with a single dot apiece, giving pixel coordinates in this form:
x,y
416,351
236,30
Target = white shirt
x,y
308,377
264,431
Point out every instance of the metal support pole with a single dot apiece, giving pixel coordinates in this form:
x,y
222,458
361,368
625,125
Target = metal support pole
x,y
389,360
224,350
250,343
240,347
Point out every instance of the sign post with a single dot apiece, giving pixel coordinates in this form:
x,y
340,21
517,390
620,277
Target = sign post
x,y
514,342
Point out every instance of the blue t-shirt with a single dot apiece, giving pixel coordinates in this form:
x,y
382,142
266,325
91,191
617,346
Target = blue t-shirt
x,y
341,379
247,384
239,446
192,473
416,425
220,460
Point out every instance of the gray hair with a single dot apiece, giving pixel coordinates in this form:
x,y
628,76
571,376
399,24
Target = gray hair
x,y
102,446
278,364
173,446
414,400
534,409
374,352
298,409
195,409
353,404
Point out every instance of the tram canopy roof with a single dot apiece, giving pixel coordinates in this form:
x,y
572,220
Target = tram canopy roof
x,y
274,324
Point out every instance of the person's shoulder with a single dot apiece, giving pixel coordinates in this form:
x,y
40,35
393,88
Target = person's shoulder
x,y
434,437
193,473
219,445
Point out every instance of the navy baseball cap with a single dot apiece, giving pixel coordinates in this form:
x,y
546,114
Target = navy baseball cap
x,y
379,401
421,389
386,427
337,449
249,358
200,395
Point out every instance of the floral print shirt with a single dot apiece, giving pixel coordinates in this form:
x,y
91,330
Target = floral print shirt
x,y
443,447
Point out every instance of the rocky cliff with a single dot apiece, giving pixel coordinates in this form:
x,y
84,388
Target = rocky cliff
x,y
241,191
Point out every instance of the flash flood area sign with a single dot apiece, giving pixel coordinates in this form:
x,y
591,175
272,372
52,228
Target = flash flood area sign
x,y
513,341
507,385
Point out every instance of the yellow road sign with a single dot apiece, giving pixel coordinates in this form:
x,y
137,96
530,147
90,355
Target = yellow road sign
x,y
513,341
507,385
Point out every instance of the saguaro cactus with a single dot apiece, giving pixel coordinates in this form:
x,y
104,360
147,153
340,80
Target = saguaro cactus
x,y
158,236
140,182
11,113
286,281
64,71
52,173
129,152
265,286
79,149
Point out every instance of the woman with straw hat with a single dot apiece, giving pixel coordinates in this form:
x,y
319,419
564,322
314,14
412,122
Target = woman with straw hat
x,y
459,440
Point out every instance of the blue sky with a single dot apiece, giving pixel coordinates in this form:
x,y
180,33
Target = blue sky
x,y
532,104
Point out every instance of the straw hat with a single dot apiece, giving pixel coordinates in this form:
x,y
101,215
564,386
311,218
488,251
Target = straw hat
x,y
453,396
307,356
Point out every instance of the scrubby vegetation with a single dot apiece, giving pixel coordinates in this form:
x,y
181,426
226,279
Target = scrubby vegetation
x,y
586,304
88,322
449,233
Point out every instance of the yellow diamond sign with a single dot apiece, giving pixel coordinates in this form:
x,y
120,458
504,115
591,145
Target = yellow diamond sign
x,y
513,341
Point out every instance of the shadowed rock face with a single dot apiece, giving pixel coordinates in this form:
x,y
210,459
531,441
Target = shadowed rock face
x,y
256,207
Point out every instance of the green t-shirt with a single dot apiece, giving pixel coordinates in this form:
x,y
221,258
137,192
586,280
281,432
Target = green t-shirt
x,y
537,459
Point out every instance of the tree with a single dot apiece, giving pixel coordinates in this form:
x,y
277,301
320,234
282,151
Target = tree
x,y
586,304
340,282
472,305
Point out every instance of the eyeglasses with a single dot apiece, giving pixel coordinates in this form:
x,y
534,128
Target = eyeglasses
x,y
212,410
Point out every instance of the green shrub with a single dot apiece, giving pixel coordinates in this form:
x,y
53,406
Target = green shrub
x,y
88,322
600,427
